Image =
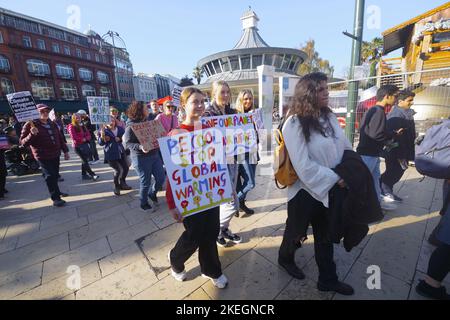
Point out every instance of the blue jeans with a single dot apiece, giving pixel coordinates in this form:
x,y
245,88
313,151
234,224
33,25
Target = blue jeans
x,y
50,172
146,166
373,163
247,172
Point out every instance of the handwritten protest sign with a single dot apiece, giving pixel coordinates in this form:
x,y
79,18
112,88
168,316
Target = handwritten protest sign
x,y
193,163
176,94
148,133
23,106
238,132
99,110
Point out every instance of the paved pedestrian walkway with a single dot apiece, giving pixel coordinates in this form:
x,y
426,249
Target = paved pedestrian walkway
x,y
122,252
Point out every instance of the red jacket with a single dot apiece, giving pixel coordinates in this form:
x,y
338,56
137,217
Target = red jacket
x,y
78,136
42,145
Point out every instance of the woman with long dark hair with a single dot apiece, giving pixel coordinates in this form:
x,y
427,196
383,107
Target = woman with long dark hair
x,y
145,162
315,144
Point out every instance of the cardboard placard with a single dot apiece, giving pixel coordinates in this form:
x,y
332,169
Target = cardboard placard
x,y
198,177
99,110
238,132
148,133
23,106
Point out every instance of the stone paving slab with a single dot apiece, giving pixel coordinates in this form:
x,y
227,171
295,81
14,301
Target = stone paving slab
x,y
122,251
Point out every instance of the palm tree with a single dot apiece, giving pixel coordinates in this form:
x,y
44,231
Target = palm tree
x,y
371,52
198,73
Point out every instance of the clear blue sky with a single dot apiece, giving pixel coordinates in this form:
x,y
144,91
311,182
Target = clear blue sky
x,y
169,37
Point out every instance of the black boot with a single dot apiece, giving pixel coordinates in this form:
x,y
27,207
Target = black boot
x,y
338,287
244,208
427,291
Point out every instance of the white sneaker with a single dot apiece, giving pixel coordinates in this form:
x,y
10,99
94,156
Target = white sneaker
x,y
220,282
177,276
388,206
387,198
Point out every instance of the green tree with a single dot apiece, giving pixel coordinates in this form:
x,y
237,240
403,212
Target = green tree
x,y
313,62
186,81
198,74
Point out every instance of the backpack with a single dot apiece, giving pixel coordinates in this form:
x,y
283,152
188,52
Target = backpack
x,y
284,172
433,153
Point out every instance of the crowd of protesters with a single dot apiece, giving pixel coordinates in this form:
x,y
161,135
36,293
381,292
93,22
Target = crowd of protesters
x,y
329,173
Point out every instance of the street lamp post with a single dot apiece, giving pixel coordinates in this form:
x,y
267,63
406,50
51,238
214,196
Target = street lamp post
x,y
353,86
112,34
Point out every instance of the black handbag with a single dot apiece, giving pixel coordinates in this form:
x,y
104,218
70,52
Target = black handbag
x,y
85,150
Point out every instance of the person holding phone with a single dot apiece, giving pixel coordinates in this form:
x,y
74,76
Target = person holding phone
x,y
401,121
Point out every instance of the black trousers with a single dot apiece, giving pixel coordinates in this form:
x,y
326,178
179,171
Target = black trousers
x,y
304,210
120,171
94,152
3,173
439,264
393,173
85,167
201,233
50,172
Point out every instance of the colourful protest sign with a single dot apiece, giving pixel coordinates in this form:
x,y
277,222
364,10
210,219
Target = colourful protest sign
x,y
198,177
238,132
99,110
148,133
23,106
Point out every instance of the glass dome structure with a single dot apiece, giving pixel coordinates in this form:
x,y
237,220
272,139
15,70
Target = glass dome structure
x,y
251,51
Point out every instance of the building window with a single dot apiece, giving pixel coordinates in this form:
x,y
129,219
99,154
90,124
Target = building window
x,y
42,90
268,59
102,77
225,64
256,61
293,63
1,37
88,91
55,48
104,59
26,42
217,66
4,64
40,44
97,58
64,71
287,58
234,63
79,55
245,62
105,92
68,91
38,67
7,86
278,61
88,55
86,74
67,50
